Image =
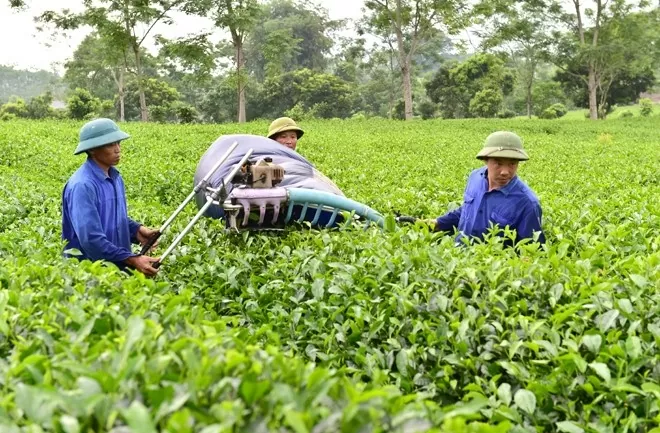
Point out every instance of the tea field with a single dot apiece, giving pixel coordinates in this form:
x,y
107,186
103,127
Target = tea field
x,y
346,330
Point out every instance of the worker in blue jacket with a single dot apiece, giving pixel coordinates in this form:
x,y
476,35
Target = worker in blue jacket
x,y
94,211
496,195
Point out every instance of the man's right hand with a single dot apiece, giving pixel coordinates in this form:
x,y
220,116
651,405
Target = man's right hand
x,y
143,264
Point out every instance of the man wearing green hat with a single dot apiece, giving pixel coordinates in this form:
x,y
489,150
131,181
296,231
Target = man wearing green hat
x,y
285,131
94,211
495,194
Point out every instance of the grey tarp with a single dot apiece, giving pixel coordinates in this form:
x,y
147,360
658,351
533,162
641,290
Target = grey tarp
x,y
299,173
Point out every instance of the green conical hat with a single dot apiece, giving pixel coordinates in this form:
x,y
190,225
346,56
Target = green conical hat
x,y
98,133
284,124
503,144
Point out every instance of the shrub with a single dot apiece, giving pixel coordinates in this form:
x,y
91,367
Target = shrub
x,y
16,107
506,114
548,113
297,112
158,113
554,111
427,109
186,113
82,104
486,103
645,107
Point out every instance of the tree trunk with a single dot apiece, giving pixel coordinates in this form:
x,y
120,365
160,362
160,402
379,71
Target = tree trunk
x,y
593,100
390,93
144,113
240,66
530,86
404,63
119,82
122,116
407,90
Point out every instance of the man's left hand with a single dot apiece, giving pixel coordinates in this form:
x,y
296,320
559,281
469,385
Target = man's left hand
x,y
144,234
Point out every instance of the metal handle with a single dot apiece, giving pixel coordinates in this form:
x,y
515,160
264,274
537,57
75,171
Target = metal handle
x,y
150,243
202,183
215,194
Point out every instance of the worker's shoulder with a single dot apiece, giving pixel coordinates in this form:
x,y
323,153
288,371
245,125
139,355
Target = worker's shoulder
x,y
477,173
82,178
526,194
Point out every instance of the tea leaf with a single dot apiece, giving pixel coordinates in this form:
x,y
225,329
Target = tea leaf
x,y
525,400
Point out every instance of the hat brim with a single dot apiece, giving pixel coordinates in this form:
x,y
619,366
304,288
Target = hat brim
x,y
499,152
96,142
299,131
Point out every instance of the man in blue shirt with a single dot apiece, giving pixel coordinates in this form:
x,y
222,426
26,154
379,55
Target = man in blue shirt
x,y
94,212
495,194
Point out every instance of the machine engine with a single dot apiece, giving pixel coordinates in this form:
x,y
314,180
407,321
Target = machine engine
x,y
262,174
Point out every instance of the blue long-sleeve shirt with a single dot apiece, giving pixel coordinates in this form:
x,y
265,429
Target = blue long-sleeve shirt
x,y
514,205
94,215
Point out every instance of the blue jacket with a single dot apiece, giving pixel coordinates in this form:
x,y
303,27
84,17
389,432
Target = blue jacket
x,y
514,205
94,215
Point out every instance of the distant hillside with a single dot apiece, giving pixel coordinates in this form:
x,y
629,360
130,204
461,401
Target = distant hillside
x,y
27,84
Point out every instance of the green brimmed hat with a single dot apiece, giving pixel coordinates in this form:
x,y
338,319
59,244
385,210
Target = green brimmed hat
x,y
503,144
98,133
284,124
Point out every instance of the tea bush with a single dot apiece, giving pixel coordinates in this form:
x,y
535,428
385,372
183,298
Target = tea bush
x,y
348,329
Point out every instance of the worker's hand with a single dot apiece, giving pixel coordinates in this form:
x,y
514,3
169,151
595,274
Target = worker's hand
x,y
143,264
144,234
431,223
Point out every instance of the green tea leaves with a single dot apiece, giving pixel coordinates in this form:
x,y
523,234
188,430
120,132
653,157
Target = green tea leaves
x,y
349,329
525,400
592,342
569,427
602,370
138,418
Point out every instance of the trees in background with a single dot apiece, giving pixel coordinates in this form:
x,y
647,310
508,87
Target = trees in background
x,y
535,57
406,25
474,88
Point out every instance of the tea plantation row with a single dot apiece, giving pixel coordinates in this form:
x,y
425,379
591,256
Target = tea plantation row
x,y
344,330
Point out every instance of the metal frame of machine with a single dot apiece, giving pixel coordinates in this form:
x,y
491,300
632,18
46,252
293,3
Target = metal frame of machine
x,y
255,189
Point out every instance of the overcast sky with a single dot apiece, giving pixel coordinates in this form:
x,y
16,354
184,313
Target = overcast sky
x,y
23,47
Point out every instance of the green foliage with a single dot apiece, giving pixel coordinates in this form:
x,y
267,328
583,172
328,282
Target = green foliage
x,y
544,94
325,95
92,65
427,109
474,88
486,103
554,111
28,84
81,104
16,107
186,113
506,114
622,57
176,112
157,94
298,112
291,35
348,329
645,107
398,111
39,107
626,114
